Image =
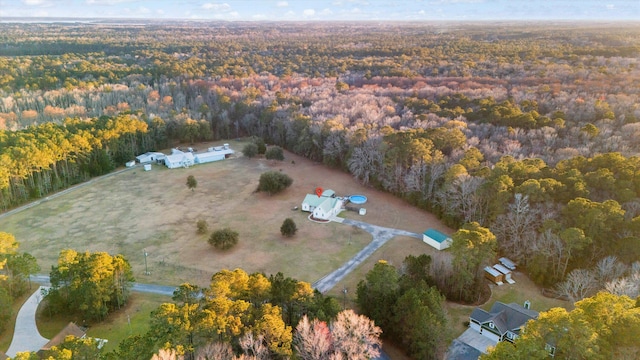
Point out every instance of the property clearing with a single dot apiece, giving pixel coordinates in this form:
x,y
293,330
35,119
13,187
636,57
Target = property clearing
x,y
139,210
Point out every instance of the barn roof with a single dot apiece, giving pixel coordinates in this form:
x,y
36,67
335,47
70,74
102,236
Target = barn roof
x,y
436,235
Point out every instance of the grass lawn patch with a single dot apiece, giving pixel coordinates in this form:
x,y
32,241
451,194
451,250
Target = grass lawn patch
x,y
7,335
130,320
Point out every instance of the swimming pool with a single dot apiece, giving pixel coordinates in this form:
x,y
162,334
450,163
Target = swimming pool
x,y
358,199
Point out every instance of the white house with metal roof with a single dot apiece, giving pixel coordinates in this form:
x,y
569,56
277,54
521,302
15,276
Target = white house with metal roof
x,y
322,207
179,159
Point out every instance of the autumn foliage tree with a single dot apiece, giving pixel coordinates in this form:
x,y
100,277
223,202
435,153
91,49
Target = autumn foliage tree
x,y
92,284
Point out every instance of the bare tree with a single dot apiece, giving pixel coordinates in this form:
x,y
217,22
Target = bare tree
x,y
515,230
461,197
166,354
215,351
355,336
580,283
254,346
366,160
313,340
629,285
609,269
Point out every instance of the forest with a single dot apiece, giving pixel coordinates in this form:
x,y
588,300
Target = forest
x,y
528,131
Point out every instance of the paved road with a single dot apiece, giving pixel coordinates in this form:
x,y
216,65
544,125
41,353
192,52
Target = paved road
x,y
137,287
26,336
380,236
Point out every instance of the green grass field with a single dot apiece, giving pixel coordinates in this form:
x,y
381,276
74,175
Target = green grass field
x,y
131,320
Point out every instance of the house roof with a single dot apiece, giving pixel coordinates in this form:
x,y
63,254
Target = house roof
x,y
506,317
179,156
328,193
436,235
70,329
313,200
327,204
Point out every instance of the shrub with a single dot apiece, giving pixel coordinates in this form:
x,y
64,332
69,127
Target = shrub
x,y
250,150
274,182
262,147
275,153
192,183
203,227
224,239
288,227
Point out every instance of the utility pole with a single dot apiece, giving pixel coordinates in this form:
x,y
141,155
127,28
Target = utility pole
x,y
146,269
344,303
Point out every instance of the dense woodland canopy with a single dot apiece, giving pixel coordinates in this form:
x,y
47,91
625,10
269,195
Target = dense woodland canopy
x,y
530,131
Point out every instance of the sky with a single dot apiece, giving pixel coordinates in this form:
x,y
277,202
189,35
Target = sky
x,y
323,10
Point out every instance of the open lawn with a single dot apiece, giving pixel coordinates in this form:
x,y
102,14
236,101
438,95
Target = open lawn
x,y
154,211
130,320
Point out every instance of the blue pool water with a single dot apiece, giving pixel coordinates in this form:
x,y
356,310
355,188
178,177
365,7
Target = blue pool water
x,y
358,199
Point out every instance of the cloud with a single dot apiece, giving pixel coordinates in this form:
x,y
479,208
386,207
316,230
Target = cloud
x,y
259,17
35,2
224,7
326,11
459,1
282,4
308,12
107,2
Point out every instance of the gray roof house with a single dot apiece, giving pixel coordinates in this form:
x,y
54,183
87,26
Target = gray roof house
x,y
502,322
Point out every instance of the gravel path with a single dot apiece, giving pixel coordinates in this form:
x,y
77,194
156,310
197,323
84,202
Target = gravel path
x,y
380,236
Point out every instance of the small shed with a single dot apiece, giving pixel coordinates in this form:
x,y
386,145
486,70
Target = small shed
x,y
362,211
147,167
507,263
506,272
436,239
131,163
493,275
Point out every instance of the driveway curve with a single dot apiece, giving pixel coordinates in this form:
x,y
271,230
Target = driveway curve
x,y
380,237
26,336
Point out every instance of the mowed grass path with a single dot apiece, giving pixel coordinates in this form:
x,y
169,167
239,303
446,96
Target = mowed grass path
x,y
135,210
